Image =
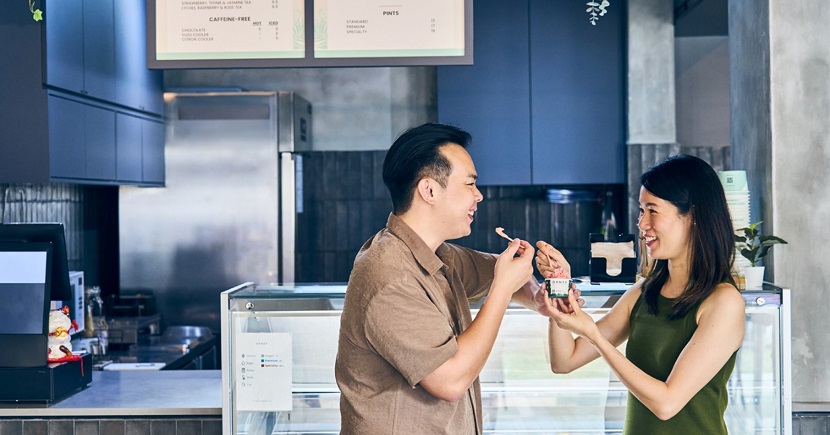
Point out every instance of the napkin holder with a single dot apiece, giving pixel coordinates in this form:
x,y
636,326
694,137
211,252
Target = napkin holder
x,y
605,255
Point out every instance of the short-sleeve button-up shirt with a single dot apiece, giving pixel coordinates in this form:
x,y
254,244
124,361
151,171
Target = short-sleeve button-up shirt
x,y
404,309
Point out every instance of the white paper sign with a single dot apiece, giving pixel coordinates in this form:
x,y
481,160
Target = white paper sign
x,y
230,29
262,365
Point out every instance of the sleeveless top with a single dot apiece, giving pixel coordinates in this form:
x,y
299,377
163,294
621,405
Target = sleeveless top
x,y
654,344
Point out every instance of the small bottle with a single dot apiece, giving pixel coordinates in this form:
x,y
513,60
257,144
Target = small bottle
x,y
94,311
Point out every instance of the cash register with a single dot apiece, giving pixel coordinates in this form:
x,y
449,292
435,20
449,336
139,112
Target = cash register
x,y
33,272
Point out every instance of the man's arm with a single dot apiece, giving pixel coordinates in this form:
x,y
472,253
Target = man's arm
x,y
452,379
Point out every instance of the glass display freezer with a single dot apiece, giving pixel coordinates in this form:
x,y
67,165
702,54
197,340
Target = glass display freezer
x,y
520,394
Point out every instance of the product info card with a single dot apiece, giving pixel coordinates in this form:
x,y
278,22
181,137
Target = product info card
x,y
262,365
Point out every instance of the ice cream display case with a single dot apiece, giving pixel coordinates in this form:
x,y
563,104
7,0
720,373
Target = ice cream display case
x,y
279,345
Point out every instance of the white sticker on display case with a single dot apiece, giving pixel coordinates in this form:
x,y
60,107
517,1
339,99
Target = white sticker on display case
x,y
262,366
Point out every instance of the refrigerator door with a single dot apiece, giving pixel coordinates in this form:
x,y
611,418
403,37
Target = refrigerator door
x,y
218,220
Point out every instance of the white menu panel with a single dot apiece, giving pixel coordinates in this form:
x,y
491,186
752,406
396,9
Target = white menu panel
x,y
262,365
388,28
230,29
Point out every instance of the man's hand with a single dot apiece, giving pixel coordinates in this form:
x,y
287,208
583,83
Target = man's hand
x,y
512,271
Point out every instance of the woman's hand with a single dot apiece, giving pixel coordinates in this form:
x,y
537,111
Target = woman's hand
x,y
550,262
568,314
544,303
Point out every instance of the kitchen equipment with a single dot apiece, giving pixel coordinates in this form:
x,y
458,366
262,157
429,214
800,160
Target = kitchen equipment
x,y
129,330
228,211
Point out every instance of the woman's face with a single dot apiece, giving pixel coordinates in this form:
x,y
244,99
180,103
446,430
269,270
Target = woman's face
x,y
665,231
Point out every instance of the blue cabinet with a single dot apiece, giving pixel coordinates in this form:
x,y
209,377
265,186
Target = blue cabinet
x,y
152,134
140,149
80,47
82,141
491,99
135,86
71,112
545,98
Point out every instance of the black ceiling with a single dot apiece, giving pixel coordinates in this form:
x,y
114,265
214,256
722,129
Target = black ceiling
x,y
701,18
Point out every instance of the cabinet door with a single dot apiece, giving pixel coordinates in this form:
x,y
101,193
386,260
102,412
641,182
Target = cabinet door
x,y
99,49
64,44
100,144
128,130
136,86
491,99
67,138
578,93
153,152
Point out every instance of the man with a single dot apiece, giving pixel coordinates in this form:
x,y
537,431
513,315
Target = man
x,y
409,353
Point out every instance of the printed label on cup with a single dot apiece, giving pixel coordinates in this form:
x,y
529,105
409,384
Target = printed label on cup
x,y
557,287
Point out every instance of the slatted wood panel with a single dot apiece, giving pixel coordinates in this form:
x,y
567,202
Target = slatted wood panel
x,y
640,157
48,203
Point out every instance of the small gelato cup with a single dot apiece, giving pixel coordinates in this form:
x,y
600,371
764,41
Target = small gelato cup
x,y
558,287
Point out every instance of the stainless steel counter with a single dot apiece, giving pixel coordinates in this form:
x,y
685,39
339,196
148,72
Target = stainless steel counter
x,y
134,393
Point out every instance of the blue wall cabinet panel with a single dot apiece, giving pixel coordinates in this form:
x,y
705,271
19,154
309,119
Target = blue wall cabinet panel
x,y
65,44
491,99
61,83
153,152
99,49
128,147
67,124
577,93
100,144
545,98
136,86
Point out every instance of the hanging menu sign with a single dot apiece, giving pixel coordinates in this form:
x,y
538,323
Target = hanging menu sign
x,y
388,28
230,29
262,371
308,33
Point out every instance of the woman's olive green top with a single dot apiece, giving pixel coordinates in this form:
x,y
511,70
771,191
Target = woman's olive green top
x,y
654,345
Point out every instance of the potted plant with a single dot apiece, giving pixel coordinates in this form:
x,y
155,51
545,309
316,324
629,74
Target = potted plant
x,y
754,246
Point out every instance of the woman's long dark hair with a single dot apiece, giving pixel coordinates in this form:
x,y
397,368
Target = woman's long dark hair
x,y
692,186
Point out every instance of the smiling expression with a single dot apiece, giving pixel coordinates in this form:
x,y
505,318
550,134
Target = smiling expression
x,y
457,203
665,231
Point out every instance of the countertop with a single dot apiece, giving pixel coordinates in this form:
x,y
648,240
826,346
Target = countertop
x,y
134,393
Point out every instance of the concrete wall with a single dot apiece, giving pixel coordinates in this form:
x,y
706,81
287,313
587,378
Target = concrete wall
x,y
354,108
780,91
702,91
650,72
800,180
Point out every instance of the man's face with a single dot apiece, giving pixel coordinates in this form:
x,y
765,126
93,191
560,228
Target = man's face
x,y
457,203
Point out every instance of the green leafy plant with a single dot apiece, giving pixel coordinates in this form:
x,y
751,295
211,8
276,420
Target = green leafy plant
x,y
752,245
37,14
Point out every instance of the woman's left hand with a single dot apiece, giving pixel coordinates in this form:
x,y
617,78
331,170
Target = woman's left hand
x,y
568,314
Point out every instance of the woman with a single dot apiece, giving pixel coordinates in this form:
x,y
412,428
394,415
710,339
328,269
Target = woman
x,y
684,322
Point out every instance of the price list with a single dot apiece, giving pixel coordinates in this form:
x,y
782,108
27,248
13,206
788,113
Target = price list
x,y
230,29
382,28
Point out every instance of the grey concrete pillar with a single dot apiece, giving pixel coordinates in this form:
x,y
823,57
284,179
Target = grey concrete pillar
x,y
780,128
651,97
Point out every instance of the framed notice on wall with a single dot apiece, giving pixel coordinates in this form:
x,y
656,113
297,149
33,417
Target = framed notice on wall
x,y
308,33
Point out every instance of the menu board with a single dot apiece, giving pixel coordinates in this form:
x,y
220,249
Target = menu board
x,y
229,29
388,28
279,33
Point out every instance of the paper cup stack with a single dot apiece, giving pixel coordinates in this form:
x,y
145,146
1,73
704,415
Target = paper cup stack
x,y
737,198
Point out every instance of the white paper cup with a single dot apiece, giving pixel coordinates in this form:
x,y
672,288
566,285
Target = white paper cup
x,y
733,180
558,287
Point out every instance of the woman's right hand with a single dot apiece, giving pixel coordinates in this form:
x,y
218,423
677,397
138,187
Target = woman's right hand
x,y
550,262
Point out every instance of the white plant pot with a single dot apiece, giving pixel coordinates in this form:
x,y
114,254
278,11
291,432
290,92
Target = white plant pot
x,y
754,277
